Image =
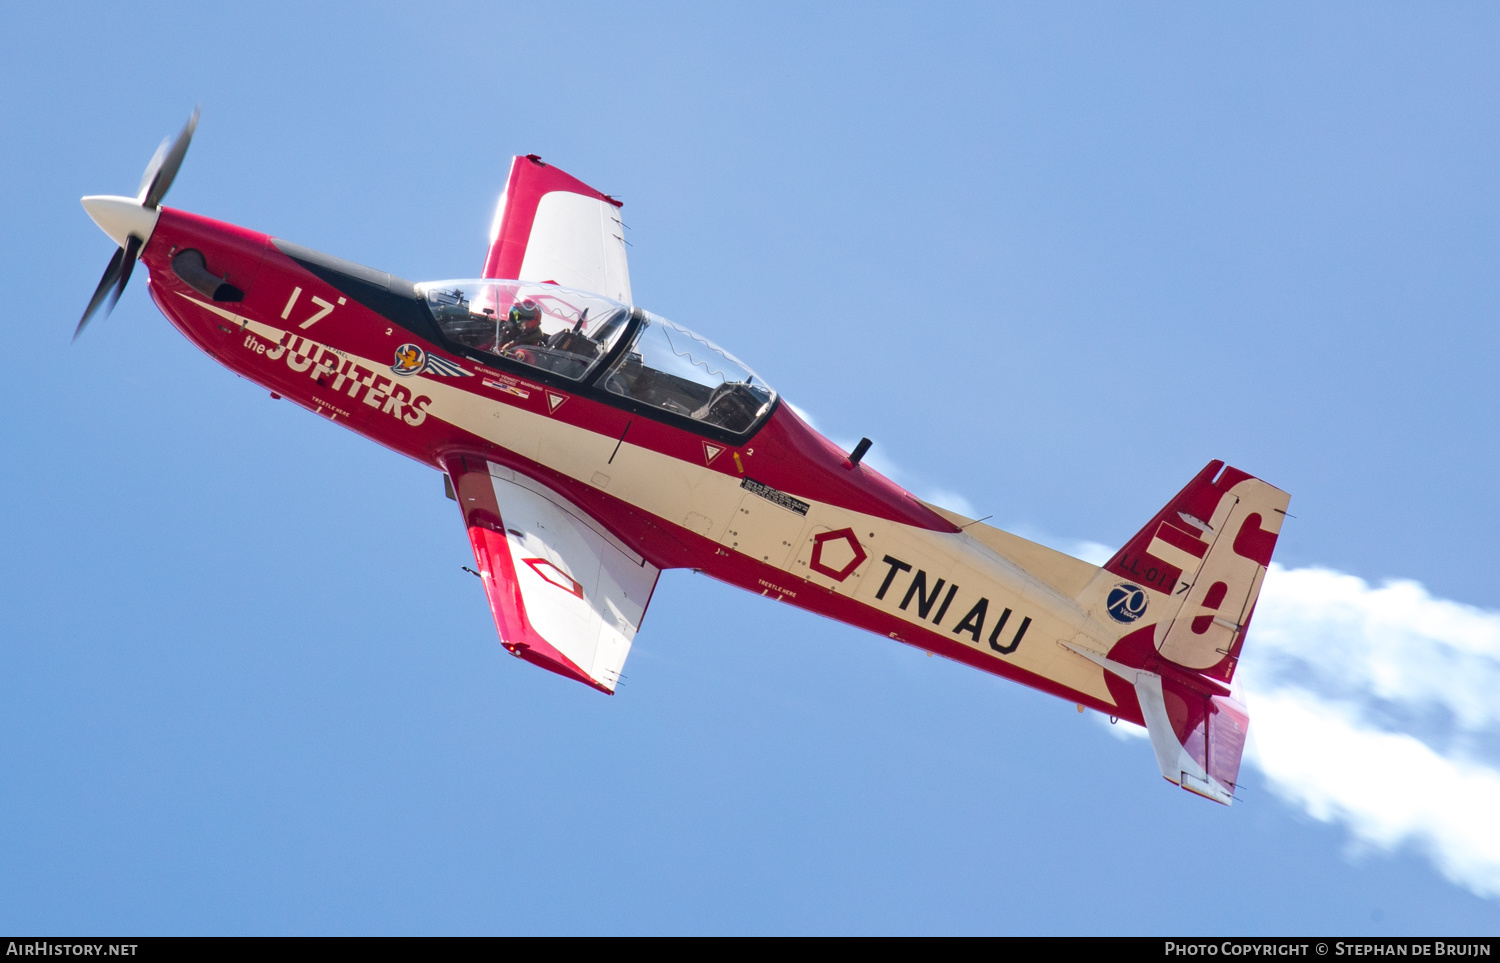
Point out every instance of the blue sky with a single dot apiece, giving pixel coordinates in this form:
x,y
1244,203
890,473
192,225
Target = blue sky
x,y
1052,258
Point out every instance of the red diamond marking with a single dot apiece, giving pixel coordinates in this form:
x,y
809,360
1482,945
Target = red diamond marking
x,y
553,575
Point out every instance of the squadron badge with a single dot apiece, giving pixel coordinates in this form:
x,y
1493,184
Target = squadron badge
x,y
412,360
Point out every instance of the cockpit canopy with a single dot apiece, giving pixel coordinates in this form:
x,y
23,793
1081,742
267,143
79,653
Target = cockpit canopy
x,y
542,325
574,335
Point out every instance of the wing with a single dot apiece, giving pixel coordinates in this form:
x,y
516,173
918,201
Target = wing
x,y
565,593
551,226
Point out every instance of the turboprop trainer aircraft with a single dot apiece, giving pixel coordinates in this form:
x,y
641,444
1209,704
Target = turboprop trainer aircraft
x,y
590,444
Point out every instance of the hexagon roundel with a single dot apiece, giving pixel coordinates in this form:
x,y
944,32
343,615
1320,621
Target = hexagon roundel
x,y
836,554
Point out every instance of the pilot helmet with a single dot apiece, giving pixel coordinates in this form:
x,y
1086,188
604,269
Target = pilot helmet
x,y
526,314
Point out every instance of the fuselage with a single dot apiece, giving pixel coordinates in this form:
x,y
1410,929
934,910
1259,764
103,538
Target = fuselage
x,y
778,510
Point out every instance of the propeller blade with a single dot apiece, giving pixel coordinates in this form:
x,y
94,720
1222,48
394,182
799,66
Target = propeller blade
x,y
111,275
132,251
153,167
112,285
167,164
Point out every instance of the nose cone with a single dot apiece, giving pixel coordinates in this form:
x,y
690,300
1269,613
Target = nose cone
x,y
120,217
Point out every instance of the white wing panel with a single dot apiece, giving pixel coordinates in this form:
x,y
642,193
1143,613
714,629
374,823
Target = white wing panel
x,y
579,242
582,595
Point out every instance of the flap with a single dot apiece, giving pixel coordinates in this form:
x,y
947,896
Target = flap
x,y
550,226
565,594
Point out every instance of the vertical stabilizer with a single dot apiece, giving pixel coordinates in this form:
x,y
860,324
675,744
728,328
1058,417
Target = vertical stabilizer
x,y
1181,592
1195,571
552,227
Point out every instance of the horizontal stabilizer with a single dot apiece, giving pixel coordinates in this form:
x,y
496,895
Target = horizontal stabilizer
x,y
1198,739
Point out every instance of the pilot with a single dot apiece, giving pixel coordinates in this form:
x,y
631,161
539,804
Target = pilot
x,y
523,325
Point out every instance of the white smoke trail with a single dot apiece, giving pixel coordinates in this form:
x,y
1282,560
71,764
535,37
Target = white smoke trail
x,y
1389,788
1379,708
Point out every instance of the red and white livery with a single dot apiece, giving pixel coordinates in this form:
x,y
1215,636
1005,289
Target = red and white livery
x,y
589,444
